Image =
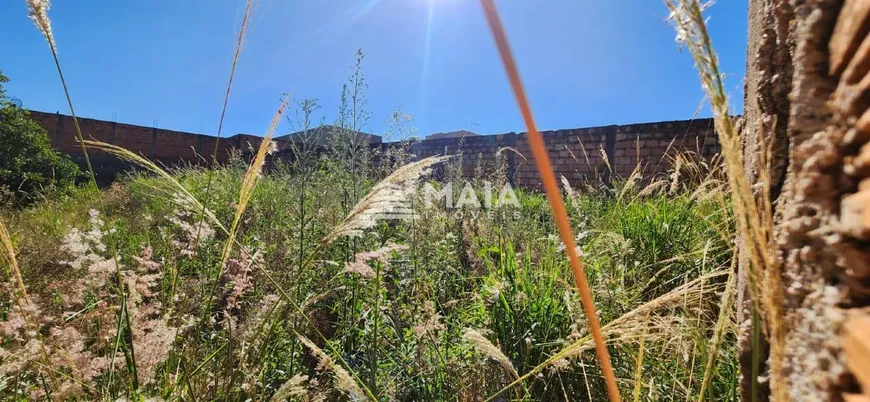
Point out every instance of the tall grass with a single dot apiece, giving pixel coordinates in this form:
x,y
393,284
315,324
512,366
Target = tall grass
x,y
38,13
240,40
509,289
255,170
234,282
752,208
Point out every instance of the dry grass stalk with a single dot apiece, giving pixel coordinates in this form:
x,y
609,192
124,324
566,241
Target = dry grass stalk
x,y
653,188
37,10
239,44
12,262
675,174
752,210
690,171
603,153
637,149
240,41
344,382
585,154
638,369
516,167
488,349
512,149
294,387
630,325
631,182
249,182
387,197
569,191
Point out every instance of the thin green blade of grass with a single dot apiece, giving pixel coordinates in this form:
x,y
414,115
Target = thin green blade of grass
x,y
719,331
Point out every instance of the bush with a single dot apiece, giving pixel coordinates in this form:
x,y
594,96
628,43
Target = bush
x,y
28,165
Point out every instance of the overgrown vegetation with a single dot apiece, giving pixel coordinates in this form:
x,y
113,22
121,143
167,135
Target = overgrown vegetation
x,y
29,167
440,308
233,283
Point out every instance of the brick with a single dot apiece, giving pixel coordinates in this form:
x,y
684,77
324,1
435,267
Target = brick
x,y
652,139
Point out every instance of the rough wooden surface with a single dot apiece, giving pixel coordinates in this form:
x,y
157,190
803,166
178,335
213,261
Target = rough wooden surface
x,y
852,25
856,346
855,398
808,74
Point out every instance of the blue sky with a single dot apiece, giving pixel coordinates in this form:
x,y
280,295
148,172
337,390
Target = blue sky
x,y
584,62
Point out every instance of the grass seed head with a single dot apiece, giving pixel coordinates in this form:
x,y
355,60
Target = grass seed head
x,y
37,11
488,349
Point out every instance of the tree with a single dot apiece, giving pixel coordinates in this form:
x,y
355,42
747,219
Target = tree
x,y
29,166
806,133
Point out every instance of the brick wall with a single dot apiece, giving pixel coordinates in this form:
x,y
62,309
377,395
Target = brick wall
x,y
165,146
578,154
